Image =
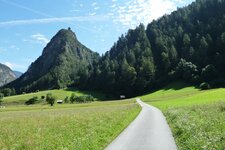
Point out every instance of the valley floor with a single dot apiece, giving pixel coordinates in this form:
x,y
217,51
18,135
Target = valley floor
x,y
69,126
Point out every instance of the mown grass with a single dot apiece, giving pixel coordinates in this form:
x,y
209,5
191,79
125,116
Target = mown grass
x,y
197,118
60,94
84,126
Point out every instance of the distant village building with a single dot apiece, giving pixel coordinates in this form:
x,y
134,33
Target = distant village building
x,y
122,96
59,101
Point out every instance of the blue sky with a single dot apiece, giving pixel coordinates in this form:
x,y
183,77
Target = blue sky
x,y
27,25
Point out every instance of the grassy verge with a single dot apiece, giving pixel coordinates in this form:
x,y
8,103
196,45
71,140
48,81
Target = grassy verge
x,y
198,127
90,127
195,117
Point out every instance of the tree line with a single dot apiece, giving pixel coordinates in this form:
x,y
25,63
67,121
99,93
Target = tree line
x,y
189,45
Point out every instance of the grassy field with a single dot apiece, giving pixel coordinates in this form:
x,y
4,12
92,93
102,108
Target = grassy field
x,y
67,126
197,118
60,94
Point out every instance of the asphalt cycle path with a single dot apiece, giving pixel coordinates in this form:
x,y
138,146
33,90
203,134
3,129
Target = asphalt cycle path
x,y
149,131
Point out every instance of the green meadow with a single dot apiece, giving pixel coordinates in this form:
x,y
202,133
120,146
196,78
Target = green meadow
x,y
63,126
197,118
60,94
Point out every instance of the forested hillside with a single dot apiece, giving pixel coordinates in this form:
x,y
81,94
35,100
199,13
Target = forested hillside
x,y
189,44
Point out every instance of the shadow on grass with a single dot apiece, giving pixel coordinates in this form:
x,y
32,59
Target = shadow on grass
x,y
100,96
178,85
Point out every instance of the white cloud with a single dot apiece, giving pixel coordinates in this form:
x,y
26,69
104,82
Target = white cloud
x,y
113,6
92,14
14,65
135,12
52,20
40,38
10,65
94,4
75,10
14,47
96,8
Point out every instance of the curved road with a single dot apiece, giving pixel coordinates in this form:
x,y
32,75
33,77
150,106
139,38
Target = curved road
x,y
149,131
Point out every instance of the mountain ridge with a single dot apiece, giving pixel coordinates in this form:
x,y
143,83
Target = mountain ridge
x,y
58,66
185,45
6,75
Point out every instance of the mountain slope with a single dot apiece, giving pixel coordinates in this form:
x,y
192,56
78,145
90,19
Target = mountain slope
x,y
61,64
6,75
17,73
188,45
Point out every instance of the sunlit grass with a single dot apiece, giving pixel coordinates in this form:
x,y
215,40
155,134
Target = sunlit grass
x,y
84,126
196,117
59,94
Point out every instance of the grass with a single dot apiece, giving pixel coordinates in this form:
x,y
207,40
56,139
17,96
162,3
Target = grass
x,y
74,126
60,94
196,117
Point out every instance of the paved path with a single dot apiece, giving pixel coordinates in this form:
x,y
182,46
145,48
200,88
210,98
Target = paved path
x,y
149,131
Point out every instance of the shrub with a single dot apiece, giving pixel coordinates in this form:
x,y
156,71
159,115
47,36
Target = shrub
x,y
66,100
85,99
73,98
89,98
1,97
204,86
209,73
50,99
32,101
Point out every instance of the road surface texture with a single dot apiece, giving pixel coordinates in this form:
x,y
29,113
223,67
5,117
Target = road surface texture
x,y
149,131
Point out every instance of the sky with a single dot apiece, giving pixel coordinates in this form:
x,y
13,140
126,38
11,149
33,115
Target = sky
x,y
26,26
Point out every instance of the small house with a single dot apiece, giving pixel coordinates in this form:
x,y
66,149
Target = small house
x,y
59,101
122,96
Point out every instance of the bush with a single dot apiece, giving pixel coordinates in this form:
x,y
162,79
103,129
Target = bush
x,y
50,99
85,99
209,73
66,100
1,97
42,97
204,86
32,101
73,98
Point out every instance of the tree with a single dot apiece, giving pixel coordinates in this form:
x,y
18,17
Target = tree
x,y
73,98
186,71
50,99
32,100
186,40
1,97
66,100
6,91
209,73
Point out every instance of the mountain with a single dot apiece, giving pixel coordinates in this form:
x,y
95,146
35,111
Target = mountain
x,y
64,62
17,73
188,44
6,75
